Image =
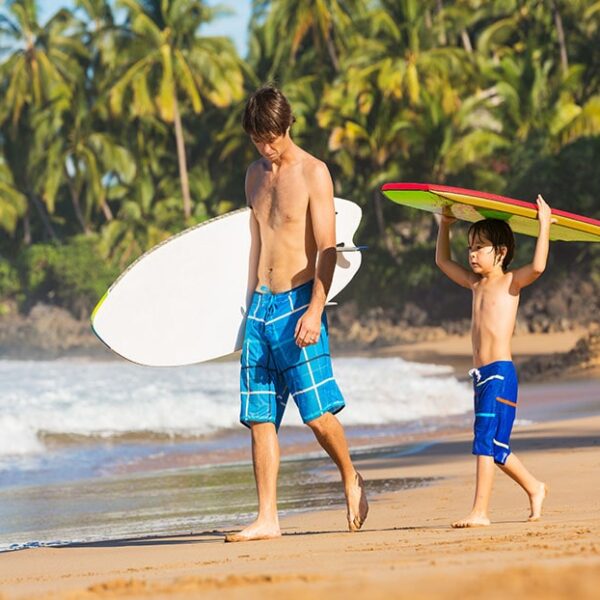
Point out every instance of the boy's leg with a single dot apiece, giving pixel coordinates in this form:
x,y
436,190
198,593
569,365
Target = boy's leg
x,y
265,459
506,407
330,434
535,489
478,516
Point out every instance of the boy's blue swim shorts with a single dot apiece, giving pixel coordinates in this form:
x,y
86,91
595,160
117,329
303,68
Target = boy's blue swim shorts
x,y
496,390
273,366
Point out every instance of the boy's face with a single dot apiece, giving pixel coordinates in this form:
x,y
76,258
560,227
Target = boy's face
x,y
483,259
272,147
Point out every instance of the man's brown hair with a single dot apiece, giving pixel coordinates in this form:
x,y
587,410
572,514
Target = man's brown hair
x,y
268,114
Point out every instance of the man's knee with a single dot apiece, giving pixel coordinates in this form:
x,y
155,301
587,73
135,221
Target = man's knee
x,y
322,424
262,430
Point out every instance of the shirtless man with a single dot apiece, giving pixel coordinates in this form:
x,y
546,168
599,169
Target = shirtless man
x,y
495,301
285,349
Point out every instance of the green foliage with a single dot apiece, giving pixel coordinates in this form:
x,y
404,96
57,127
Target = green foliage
x,y
10,284
72,275
103,123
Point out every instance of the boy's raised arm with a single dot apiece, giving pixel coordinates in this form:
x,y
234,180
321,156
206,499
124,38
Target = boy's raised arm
x,y
527,274
443,257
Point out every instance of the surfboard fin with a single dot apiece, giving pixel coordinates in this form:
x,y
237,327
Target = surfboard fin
x,y
341,247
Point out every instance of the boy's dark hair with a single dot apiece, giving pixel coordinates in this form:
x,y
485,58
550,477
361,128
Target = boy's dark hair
x,y
268,114
499,233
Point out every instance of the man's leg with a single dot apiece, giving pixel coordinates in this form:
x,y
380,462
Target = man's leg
x,y
265,458
330,434
483,490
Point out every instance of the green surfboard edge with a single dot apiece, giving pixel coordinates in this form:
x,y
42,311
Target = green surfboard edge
x,y
97,308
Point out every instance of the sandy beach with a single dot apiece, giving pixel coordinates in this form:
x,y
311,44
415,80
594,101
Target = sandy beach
x,y
407,548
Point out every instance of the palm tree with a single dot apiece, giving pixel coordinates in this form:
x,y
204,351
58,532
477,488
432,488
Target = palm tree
x,y
329,23
43,61
76,150
41,68
167,62
13,203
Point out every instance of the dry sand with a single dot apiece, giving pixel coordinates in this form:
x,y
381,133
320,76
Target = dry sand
x,y
456,350
407,549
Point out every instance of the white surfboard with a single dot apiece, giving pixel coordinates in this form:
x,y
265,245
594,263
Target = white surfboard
x,y
185,300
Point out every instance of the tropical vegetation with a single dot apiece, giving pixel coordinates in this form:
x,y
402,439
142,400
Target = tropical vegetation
x,y
120,125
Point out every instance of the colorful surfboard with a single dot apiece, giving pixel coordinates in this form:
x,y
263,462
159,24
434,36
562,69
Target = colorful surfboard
x,y
470,205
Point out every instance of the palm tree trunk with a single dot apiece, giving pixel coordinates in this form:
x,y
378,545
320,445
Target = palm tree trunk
x,y
76,206
41,211
26,229
387,239
443,38
183,171
560,32
466,40
106,210
378,212
332,54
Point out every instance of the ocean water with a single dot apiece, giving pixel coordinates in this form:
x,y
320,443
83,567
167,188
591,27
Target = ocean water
x,y
103,450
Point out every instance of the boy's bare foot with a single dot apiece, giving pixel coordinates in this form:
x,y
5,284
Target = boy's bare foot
x,y
356,500
473,520
254,532
536,500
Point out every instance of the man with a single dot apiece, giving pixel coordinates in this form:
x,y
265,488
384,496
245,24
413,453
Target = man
x,y
286,349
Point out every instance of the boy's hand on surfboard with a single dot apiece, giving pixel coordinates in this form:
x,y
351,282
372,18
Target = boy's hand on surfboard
x,y
308,328
448,219
544,211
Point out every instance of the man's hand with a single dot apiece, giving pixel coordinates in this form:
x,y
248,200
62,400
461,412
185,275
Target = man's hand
x,y
308,328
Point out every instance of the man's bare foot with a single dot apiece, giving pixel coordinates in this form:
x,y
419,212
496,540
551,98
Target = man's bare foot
x,y
473,520
536,500
254,532
356,500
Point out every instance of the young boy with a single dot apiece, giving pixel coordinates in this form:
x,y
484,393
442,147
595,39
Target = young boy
x,y
495,302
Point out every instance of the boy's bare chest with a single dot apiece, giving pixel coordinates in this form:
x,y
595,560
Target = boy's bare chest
x,y
488,296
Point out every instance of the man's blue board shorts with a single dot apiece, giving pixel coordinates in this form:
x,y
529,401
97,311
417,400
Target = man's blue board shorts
x,y
273,366
496,389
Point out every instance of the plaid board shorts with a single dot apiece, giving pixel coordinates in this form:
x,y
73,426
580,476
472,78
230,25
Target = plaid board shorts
x,y
273,366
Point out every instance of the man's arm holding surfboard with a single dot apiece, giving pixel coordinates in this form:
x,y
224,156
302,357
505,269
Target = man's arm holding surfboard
x,y
443,256
248,186
322,214
527,274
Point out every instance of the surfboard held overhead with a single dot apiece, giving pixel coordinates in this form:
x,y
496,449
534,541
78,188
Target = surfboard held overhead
x,y
471,205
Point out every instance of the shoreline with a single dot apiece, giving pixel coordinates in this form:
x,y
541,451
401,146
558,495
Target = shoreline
x,y
407,543
447,349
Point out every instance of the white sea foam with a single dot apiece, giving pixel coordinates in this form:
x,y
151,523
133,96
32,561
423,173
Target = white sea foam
x,y
111,399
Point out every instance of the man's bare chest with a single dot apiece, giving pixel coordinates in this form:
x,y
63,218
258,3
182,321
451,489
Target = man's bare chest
x,y
280,201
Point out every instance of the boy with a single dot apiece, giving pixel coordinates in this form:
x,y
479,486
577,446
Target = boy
x,y
495,302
